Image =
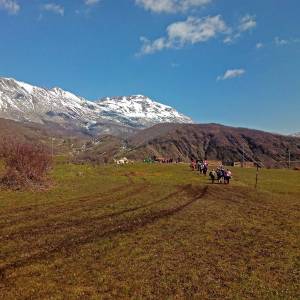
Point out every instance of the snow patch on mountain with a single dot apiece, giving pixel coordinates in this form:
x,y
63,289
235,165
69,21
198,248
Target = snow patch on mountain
x,y
142,110
27,87
24,102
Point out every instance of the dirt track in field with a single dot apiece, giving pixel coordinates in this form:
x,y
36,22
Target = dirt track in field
x,y
79,231
83,203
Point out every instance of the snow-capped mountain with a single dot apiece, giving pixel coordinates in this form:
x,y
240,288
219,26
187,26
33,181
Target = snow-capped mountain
x,y
23,102
140,110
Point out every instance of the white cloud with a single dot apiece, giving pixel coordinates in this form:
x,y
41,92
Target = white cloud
x,y
196,30
171,6
247,23
11,6
281,42
191,31
149,47
228,40
284,42
54,8
91,2
230,74
259,45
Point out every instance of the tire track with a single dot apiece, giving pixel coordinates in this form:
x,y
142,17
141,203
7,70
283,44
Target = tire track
x,y
71,244
61,209
27,232
25,209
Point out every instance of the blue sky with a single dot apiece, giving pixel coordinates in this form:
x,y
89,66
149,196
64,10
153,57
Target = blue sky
x,y
225,61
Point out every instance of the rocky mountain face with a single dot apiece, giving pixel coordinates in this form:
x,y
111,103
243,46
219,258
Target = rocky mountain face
x,y
193,141
21,102
213,141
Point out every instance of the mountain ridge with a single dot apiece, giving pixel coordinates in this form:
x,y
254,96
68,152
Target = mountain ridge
x,y
214,141
21,101
187,141
199,141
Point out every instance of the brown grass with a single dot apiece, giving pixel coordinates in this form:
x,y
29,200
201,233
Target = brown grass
x,y
128,233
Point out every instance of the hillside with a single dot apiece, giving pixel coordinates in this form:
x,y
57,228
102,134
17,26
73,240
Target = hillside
x,y
101,150
63,140
212,141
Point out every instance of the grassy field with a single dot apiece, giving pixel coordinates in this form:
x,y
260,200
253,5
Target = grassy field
x,y
152,231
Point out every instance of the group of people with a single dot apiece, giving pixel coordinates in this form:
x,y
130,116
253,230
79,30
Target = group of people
x,y
220,174
200,166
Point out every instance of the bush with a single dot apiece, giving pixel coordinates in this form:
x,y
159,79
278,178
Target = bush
x,y
25,163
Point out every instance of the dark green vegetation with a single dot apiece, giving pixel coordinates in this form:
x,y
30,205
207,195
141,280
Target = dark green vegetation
x,y
152,231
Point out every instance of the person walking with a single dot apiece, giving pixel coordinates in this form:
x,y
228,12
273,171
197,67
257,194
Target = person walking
x,y
213,176
228,176
205,169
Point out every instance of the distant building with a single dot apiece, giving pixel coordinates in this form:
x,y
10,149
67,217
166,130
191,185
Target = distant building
x,y
214,163
246,164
